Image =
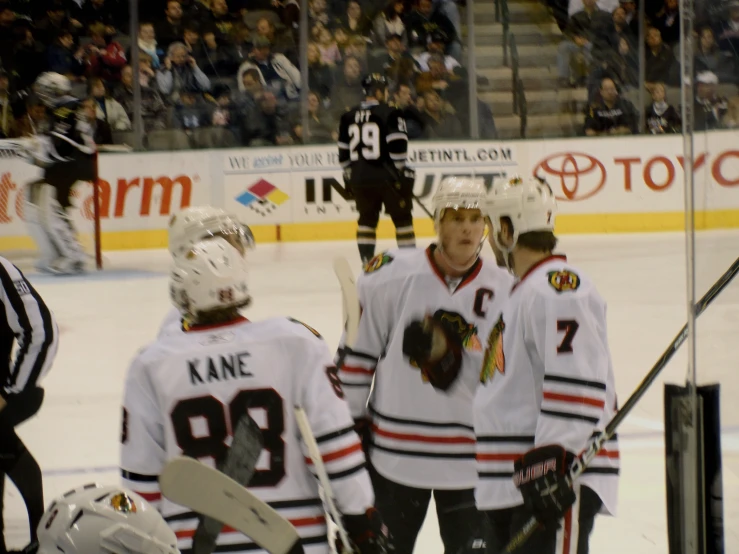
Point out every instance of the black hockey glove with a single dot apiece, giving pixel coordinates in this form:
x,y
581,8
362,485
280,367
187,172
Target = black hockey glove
x,y
436,349
368,534
540,475
407,180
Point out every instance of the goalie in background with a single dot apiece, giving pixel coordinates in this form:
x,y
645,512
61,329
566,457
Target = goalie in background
x,y
547,386
186,391
95,519
67,155
373,146
424,316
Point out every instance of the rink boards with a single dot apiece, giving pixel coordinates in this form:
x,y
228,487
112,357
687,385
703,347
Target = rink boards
x,y
604,185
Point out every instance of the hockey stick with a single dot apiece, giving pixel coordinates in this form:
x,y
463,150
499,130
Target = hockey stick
x,y
350,299
240,465
205,490
584,459
315,456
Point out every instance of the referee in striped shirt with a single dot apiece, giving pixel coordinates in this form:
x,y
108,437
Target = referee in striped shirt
x,y
25,318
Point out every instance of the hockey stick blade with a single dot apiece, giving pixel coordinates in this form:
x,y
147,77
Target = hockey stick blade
x,y
584,459
349,297
240,465
207,491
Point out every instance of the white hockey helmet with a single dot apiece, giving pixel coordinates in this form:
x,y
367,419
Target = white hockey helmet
x,y
198,223
96,519
212,275
529,204
457,193
49,86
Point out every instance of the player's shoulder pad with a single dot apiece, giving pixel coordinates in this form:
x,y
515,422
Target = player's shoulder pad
x,y
306,326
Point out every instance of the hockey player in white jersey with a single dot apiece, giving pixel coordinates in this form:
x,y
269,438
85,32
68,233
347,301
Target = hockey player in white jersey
x,y
185,392
192,225
547,386
424,316
95,519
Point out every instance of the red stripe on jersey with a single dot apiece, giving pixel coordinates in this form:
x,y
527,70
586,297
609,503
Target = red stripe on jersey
x,y
613,454
567,532
150,496
355,369
574,399
331,456
498,457
421,438
301,522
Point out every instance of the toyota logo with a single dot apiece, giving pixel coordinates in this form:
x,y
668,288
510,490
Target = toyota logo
x,y
581,175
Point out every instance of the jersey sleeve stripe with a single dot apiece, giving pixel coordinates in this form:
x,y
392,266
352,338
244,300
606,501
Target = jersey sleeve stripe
x,y
500,457
528,439
336,475
422,454
139,477
573,381
495,474
568,415
338,454
397,136
343,145
430,424
361,355
357,370
573,399
412,437
334,434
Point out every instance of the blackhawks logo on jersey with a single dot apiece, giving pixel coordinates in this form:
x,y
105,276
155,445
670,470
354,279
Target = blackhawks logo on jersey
x,y
377,262
467,332
564,280
494,359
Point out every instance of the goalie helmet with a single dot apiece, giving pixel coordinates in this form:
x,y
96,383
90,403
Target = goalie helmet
x,y
530,205
211,276
458,193
97,519
197,223
50,86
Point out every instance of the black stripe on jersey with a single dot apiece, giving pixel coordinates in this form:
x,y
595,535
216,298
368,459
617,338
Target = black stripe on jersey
x,y
495,475
416,454
366,385
358,354
567,415
141,478
16,303
572,381
249,546
506,438
335,434
434,424
347,472
602,470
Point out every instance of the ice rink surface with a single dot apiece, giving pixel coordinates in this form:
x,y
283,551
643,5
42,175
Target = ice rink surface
x,y
107,316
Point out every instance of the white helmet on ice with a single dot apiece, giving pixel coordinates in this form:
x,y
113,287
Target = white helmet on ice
x,y
458,193
197,223
50,86
97,519
530,205
212,275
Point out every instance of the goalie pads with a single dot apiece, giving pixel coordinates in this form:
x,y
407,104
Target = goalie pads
x,y
434,346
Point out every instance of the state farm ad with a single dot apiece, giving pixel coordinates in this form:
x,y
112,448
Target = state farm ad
x,y
638,174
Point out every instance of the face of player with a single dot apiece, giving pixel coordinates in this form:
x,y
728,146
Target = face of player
x,y
460,233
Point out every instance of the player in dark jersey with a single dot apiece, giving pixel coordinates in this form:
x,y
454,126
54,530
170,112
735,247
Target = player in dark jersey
x,y
67,155
373,144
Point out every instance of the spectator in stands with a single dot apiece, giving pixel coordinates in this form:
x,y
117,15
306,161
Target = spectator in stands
x,y
275,70
580,35
241,41
8,108
659,64
423,20
56,21
403,97
608,34
709,108
731,117
390,22
661,117
439,122
216,57
35,121
667,21
190,112
320,75
101,131
449,9
403,70
224,112
354,21
153,108
621,66
329,50
98,11
436,45
728,30
394,50
708,57
611,115
220,20
281,41
267,123
104,56
321,126
60,59
172,27
28,58
250,89
632,15
317,13
108,109
147,75
347,91
180,72
191,39
147,42
8,26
